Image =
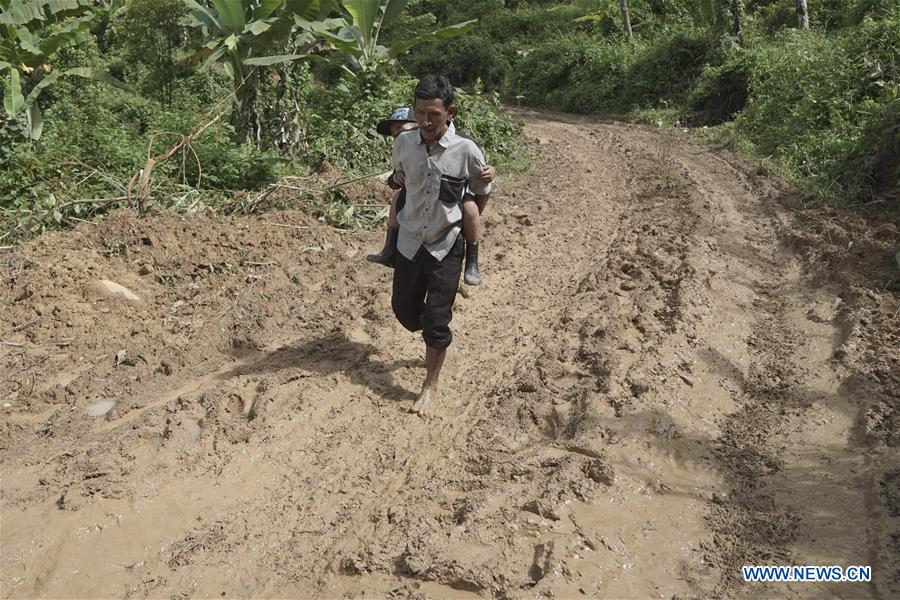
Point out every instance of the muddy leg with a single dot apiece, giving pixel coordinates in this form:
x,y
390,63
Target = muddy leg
x,y
386,256
392,215
434,360
472,234
471,221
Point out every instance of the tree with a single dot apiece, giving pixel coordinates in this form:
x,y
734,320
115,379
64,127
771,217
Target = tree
x,y
802,15
626,19
737,16
247,34
32,32
150,32
356,37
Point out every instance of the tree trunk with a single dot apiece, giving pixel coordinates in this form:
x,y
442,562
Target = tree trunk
x,y
802,15
626,20
736,13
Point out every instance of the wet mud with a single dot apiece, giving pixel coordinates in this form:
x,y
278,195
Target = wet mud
x,y
670,371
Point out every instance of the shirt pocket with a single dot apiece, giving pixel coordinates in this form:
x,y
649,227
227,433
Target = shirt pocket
x,y
452,189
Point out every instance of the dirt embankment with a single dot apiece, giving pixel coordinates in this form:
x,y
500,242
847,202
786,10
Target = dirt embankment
x,y
667,374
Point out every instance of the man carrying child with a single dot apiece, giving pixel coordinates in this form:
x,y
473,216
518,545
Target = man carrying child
x,y
437,166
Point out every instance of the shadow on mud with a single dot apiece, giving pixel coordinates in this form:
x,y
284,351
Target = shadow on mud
x,y
334,353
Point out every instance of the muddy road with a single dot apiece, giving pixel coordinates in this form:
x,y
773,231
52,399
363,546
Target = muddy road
x,y
668,373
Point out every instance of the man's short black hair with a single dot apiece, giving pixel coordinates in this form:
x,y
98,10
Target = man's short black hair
x,y
435,87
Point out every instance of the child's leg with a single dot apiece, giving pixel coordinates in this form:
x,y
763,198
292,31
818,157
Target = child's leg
x,y
386,256
392,215
472,235
481,202
471,220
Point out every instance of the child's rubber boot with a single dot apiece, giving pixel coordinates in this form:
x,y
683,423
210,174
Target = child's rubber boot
x,y
386,256
471,275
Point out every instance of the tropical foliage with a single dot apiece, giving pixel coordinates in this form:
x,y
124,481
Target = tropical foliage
x,y
32,33
224,97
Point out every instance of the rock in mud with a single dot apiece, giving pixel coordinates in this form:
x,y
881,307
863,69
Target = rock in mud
x,y
529,384
110,289
192,427
600,471
638,385
541,509
99,409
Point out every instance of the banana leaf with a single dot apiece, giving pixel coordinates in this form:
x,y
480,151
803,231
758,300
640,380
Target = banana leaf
x,y
444,33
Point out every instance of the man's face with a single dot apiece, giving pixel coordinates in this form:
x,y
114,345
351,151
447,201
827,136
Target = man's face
x,y
399,127
432,117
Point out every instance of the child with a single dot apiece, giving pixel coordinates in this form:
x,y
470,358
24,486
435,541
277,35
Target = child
x,y
402,120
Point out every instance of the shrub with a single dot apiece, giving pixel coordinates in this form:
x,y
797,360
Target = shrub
x,y
481,117
215,159
870,168
583,73
149,33
722,90
464,61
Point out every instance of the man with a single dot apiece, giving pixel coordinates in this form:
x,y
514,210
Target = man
x,y
402,120
435,164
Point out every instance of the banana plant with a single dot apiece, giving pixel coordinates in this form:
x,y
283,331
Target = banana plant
x,y
356,34
246,34
32,32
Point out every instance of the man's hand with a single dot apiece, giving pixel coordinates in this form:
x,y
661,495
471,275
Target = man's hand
x,y
486,175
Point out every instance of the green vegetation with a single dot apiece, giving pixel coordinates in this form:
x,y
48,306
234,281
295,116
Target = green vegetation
x,y
821,105
274,88
91,89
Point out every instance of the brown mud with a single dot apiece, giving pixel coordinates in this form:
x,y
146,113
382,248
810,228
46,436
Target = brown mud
x,y
669,372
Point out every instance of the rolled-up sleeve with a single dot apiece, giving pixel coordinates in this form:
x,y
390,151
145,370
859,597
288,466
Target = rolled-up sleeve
x,y
475,163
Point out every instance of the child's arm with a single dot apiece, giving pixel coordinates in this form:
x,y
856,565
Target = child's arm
x,y
479,183
396,180
399,175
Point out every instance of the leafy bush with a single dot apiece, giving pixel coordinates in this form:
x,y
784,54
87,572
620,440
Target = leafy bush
x,y
464,61
481,117
807,100
722,90
870,168
666,67
214,160
583,73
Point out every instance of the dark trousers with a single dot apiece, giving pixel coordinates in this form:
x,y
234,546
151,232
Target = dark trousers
x,y
424,292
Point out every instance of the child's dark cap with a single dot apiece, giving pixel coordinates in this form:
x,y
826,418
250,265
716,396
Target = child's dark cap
x,y
400,115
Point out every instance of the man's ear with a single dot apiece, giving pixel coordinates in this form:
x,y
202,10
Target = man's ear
x,y
451,112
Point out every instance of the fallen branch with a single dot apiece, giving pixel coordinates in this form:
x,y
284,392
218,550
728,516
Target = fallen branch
x,y
31,366
142,177
313,227
22,326
100,201
327,187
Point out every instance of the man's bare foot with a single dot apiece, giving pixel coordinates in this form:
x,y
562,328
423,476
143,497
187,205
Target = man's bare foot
x,y
423,404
